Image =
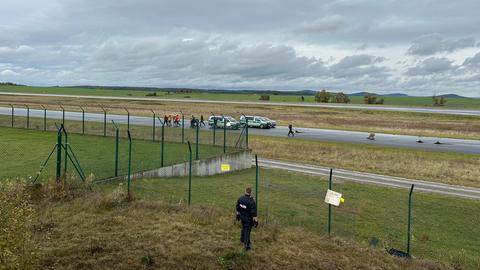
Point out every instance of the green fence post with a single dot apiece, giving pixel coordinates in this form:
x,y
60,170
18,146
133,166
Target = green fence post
x,y
13,113
256,180
163,142
58,172
44,118
214,127
409,219
183,127
28,116
246,132
129,163
128,118
153,126
196,140
329,205
190,174
83,120
66,150
116,147
104,122
63,115
224,135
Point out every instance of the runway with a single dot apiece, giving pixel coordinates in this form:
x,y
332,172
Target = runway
x,y
381,139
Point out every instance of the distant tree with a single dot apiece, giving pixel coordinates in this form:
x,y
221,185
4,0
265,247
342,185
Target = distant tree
x,y
303,98
264,97
322,96
373,99
439,101
442,101
369,99
340,97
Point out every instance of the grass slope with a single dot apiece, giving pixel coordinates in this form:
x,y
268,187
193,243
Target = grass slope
x,y
98,231
444,228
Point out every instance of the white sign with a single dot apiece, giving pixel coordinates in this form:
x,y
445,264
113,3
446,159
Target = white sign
x,y
333,197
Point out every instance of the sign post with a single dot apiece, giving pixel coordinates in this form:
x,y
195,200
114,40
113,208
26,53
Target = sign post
x,y
332,198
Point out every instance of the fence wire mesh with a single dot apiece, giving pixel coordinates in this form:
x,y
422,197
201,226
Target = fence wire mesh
x,y
158,140
374,215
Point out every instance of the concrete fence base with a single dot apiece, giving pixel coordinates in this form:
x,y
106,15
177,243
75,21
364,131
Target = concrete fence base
x,y
211,166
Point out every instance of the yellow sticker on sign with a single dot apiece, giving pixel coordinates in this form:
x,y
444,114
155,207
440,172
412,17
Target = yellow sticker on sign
x,y
225,167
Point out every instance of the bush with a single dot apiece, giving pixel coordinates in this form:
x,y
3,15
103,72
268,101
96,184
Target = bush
x,y
322,96
340,97
439,101
16,212
372,99
264,97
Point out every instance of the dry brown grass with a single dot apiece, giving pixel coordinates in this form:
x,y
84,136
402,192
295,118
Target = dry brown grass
x,y
16,215
89,233
450,168
377,121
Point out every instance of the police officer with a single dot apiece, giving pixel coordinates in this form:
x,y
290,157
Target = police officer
x,y
247,214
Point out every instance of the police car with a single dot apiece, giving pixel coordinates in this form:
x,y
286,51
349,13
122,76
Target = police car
x,y
255,121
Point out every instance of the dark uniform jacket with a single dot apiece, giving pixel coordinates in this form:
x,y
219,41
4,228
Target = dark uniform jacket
x,y
247,208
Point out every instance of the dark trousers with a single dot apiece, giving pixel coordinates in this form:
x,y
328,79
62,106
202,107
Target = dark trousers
x,y
245,234
291,132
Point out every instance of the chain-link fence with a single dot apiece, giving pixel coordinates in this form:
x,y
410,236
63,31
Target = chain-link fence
x,y
99,141
173,127
442,228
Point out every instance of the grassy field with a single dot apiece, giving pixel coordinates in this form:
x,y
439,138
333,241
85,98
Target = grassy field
x,y
68,226
459,103
22,153
444,228
417,124
442,167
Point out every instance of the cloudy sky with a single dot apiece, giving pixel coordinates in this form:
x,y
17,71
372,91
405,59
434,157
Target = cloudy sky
x,y
417,47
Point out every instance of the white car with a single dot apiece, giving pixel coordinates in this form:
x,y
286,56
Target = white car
x,y
230,122
255,121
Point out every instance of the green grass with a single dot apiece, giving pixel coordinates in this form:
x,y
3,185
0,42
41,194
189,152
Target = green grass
x,y
23,151
452,103
459,103
443,167
444,228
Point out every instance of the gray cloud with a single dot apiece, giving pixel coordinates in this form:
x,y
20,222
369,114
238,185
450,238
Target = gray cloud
x,y
328,24
473,62
435,43
281,44
359,66
430,66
